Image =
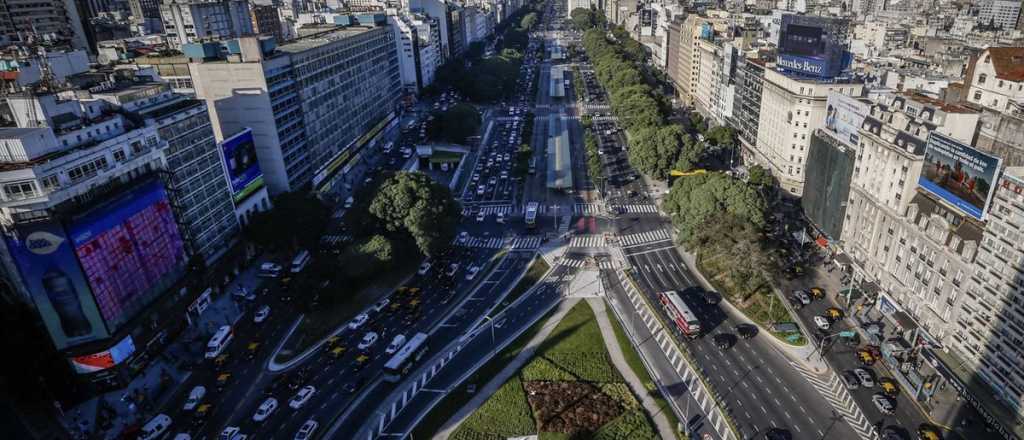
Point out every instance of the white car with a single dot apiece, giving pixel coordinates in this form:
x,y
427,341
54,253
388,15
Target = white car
x,y
480,189
821,322
501,217
480,216
230,433
865,378
300,398
261,314
194,398
883,403
471,272
424,268
265,410
463,237
358,321
804,298
307,430
395,345
454,267
368,340
380,305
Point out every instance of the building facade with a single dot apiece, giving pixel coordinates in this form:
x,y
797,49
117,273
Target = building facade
x,y
186,21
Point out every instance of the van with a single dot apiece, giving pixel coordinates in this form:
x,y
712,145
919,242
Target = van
x,y
349,201
300,261
156,427
270,270
395,345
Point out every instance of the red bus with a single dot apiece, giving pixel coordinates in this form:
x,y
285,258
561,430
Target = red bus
x,y
680,313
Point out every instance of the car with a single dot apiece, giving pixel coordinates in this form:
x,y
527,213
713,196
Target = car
x,y
223,379
351,387
833,314
892,433
307,430
424,268
746,331
463,237
300,398
471,272
480,216
816,292
778,434
395,345
867,380
358,321
711,297
850,380
230,433
501,217
480,188
888,386
723,341
202,413
380,305
928,432
884,404
261,314
821,322
265,410
454,267
802,296
368,340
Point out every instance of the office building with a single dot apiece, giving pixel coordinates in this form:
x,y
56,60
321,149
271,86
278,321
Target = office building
x,y
419,51
313,103
186,21
267,21
1001,14
813,46
146,13
54,21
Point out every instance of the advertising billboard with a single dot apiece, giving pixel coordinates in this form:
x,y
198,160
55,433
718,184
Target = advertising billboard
x,y
813,46
105,359
59,289
844,115
243,169
960,175
129,248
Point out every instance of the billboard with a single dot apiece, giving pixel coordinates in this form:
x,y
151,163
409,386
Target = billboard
x,y
129,248
960,175
105,359
844,115
812,45
242,166
54,280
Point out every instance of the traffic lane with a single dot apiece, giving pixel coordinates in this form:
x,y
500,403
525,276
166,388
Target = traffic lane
x,y
843,358
512,321
451,329
770,368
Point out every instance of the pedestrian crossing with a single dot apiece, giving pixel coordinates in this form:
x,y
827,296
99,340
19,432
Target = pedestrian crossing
x,y
646,237
479,242
334,240
833,390
587,241
581,262
528,242
587,209
635,209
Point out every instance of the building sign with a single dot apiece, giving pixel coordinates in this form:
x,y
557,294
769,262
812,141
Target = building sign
x,y
960,175
242,167
811,45
55,281
103,360
331,168
843,117
810,66
127,245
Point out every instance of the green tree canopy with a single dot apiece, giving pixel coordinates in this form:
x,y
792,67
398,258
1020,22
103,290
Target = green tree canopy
x,y
528,21
454,125
758,176
694,199
411,202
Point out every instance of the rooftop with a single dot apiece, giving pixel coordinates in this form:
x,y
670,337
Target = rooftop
x,y
330,34
1008,62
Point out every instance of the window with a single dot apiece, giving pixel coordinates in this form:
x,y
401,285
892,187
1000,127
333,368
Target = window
x,y
977,96
19,190
981,78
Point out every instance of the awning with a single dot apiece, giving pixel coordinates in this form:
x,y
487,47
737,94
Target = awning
x,y
823,242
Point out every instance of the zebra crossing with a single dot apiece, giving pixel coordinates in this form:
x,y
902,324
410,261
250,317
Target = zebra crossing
x,y
580,262
640,238
587,241
528,242
587,209
833,390
478,242
635,209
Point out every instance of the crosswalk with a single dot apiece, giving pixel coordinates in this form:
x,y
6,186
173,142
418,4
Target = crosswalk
x,y
635,209
646,237
587,241
580,262
587,209
479,242
833,390
528,242
334,240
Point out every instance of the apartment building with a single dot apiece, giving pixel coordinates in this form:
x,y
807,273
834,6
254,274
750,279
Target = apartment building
x,y
747,100
39,20
995,85
1001,13
792,107
187,21
419,52
715,71
313,103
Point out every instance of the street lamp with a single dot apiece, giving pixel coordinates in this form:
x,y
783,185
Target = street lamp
x,y
490,321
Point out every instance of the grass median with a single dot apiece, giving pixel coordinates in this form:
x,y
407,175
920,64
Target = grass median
x,y
537,269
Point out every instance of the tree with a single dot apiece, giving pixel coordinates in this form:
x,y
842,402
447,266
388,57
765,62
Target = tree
x,y
368,257
722,136
759,177
454,125
296,221
694,199
528,21
691,154
412,203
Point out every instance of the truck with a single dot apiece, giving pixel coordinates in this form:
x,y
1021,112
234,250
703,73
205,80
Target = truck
x,y
531,214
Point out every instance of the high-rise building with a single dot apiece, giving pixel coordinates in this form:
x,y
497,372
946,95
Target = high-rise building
x,y
313,103
186,21
1002,14
267,21
55,21
146,13
813,46
747,100
419,52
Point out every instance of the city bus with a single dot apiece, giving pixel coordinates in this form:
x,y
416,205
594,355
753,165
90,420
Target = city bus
x,y
219,341
531,214
680,313
403,361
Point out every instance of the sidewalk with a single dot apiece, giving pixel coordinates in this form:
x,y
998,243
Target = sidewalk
x,y
615,353
525,355
149,392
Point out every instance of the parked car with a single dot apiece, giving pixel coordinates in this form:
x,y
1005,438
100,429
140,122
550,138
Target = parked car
x,y
867,380
850,380
804,298
424,268
821,322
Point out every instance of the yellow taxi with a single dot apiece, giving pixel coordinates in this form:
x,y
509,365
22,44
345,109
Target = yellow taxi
x,y
817,292
889,386
220,361
202,413
252,350
222,381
